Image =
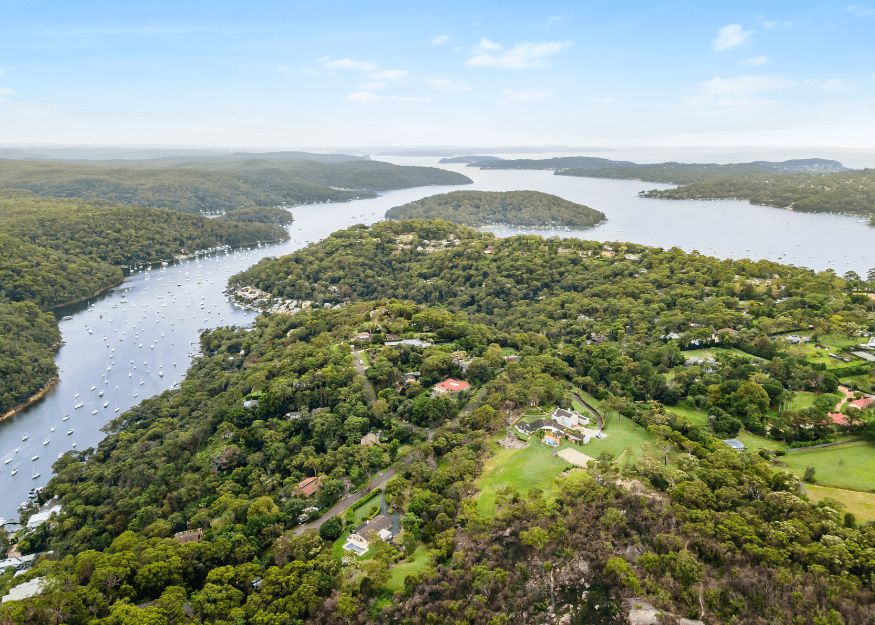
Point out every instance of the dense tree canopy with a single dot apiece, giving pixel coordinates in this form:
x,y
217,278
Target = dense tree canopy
x,y
517,208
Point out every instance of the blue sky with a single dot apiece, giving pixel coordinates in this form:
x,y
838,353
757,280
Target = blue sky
x,y
292,74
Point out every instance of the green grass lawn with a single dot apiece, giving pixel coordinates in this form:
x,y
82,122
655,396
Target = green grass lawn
x,y
406,567
859,381
755,443
524,469
621,434
861,504
851,465
713,352
365,360
833,342
686,409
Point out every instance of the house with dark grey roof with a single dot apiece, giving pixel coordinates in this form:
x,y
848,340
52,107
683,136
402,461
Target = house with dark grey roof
x,y
551,425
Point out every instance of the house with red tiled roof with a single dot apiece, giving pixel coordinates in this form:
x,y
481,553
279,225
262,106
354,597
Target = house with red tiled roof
x,y
310,486
450,386
864,402
838,418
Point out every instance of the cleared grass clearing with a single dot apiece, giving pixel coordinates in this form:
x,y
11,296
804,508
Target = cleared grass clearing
x,y
862,505
403,569
621,434
523,469
849,465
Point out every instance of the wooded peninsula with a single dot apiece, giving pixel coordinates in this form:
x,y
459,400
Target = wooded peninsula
x,y
218,186
531,209
189,511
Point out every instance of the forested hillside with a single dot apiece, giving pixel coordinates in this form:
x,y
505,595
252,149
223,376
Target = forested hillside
x,y
848,192
188,190
26,361
118,234
370,175
544,285
682,522
259,214
518,208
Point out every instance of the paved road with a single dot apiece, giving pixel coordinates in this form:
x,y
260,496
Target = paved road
x,y
346,502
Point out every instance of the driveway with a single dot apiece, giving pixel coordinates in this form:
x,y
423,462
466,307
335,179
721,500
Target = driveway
x,y
360,369
346,502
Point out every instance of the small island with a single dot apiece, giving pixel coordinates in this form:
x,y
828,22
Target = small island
x,y
530,209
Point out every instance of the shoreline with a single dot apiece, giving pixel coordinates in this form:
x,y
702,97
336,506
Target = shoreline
x,y
87,297
33,398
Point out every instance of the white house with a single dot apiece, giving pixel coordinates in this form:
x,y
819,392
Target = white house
x,y
569,418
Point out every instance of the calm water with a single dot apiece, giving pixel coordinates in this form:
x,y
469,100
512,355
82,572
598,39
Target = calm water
x,y
157,329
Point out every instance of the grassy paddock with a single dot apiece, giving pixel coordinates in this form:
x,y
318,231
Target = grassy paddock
x,y
524,469
861,504
851,465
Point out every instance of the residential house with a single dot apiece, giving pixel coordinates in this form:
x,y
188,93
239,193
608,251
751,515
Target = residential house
x,y
380,525
251,404
449,386
490,249
569,418
736,444
554,427
370,439
310,486
191,536
26,590
409,342
862,403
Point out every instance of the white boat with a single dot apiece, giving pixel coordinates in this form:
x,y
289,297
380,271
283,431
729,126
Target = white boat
x,y
105,404
35,475
93,387
69,432
45,442
53,429
8,460
142,381
79,405
34,459
74,445
160,374
65,417
93,412
24,438
100,394
14,471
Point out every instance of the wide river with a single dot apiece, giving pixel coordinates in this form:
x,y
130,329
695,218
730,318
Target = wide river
x,y
138,339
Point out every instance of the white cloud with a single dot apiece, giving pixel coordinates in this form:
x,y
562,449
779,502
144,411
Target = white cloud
x,y
363,96
6,90
731,36
744,84
368,96
365,66
836,85
776,23
512,95
756,60
445,84
521,56
860,10
439,40
373,85
395,75
595,100
485,44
